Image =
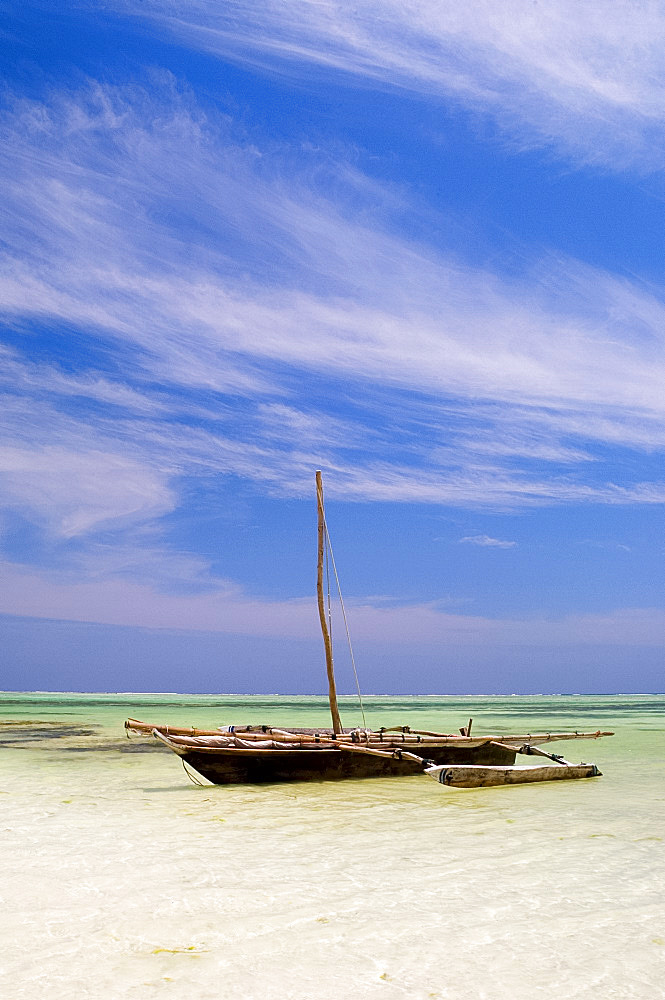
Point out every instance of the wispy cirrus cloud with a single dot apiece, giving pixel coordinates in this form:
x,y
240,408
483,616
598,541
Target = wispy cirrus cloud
x,y
584,79
73,493
220,309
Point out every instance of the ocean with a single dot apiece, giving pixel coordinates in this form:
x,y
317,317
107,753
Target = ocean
x,y
120,878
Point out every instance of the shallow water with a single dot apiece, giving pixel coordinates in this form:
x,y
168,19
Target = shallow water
x,y
122,879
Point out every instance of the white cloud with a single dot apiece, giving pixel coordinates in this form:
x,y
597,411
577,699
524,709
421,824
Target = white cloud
x,y
18,375
486,542
74,493
227,609
610,546
585,78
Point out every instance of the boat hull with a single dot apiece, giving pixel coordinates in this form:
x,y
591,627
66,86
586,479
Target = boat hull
x,y
234,767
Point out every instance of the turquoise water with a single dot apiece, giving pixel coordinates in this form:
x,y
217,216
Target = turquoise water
x,y
122,879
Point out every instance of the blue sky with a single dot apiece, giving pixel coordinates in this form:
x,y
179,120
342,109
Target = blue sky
x,y
418,246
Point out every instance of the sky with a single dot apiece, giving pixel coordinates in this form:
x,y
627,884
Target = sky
x,y
418,246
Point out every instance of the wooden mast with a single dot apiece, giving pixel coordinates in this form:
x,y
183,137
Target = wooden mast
x,y
332,691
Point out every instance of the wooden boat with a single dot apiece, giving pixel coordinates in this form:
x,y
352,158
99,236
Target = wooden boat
x,y
252,754
246,757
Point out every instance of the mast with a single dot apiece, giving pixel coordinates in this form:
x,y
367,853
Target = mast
x,y
332,691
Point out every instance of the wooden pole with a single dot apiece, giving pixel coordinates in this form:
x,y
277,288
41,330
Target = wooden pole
x,y
332,691
396,754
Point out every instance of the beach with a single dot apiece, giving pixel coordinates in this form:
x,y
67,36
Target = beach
x,y
123,879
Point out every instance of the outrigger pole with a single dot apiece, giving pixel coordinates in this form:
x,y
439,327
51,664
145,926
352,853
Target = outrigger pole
x,y
332,690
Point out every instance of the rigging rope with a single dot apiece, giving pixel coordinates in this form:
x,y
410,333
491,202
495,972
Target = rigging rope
x,y
341,602
328,595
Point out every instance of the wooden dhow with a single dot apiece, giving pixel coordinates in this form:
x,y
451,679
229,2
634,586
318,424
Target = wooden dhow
x,y
259,754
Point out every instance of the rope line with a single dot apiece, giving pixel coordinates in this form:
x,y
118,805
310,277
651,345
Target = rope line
x,y
191,774
346,624
328,593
